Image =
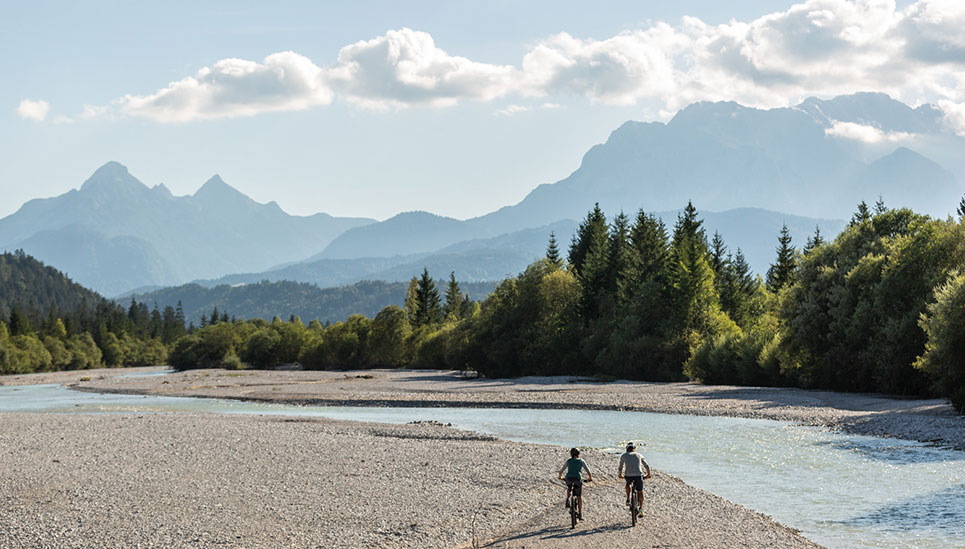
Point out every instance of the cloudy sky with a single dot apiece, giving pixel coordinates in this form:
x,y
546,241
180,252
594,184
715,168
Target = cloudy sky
x,y
370,108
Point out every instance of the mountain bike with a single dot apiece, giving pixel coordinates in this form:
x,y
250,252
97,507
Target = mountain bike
x,y
571,503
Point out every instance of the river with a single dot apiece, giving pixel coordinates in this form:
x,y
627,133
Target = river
x,y
839,490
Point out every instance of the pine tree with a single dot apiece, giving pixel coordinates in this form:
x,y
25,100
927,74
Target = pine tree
x,y
650,257
155,322
594,271
453,298
880,207
427,297
861,215
782,272
553,251
814,241
214,316
690,226
961,209
179,319
619,253
718,254
591,232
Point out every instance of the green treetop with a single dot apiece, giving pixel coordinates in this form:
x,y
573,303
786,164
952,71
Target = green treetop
x,y
781,273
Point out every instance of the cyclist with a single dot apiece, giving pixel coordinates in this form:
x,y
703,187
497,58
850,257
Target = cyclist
x,y
574,468
631,462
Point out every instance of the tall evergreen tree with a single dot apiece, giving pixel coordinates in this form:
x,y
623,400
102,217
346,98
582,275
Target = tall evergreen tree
x,y
718,254
594,273
453,298
427,299
553,251
693,278
619,253
650,257
782,271
961,209
591,232
690,227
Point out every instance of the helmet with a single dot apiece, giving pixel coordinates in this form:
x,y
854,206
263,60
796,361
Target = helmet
x,y
574,452
631,447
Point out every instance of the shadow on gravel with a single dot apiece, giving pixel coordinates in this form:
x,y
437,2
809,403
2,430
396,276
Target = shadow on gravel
x,y
559,532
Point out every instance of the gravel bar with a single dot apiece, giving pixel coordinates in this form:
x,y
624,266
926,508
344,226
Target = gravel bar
x,y
209,480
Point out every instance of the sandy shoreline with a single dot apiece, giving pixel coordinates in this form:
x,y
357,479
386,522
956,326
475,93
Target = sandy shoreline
x,y
927,420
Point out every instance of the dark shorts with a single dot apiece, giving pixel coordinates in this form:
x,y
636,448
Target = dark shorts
x,y
576,483
637,483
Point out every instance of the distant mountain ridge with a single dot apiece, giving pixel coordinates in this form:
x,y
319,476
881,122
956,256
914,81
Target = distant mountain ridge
x,y
164,239
740,166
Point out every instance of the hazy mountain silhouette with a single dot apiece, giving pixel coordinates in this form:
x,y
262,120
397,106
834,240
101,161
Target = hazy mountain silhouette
x,y
164,239
724,156
745,163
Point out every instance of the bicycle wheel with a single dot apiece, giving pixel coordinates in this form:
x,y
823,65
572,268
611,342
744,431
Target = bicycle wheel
x,y
633,507
573,514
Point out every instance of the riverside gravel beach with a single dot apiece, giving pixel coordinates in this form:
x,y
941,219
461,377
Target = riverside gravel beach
x,y
214,480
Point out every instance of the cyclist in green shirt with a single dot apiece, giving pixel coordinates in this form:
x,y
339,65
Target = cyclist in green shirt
x,y
574,468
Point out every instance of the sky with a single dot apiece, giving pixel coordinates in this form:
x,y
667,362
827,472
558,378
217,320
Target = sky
x,y
372,108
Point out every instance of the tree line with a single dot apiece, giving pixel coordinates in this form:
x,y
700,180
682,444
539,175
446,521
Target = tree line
x,y
877,309
880,308
48,322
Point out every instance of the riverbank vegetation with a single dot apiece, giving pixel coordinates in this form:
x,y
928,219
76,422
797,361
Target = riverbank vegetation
x,y
877,309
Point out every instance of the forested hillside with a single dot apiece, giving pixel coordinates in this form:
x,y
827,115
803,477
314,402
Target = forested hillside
x,y
48,322
33,286
285,298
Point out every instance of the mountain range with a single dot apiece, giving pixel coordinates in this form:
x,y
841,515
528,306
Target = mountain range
x,y
115,233
748,171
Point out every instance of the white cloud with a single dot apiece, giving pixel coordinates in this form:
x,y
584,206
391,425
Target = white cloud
x,y
285,81
865,133
816,47
405,68
511,110
954,115
36,110
619,70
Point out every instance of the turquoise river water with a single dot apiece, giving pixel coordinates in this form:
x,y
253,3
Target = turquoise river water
x,y
839,490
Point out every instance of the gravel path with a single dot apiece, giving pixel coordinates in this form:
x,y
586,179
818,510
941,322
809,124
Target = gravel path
x,y
925,420
204,480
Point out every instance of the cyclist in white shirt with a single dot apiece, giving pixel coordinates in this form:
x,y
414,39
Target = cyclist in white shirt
x,y
633,464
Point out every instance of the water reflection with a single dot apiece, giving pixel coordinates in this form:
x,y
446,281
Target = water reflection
x,y
898,452
943,510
